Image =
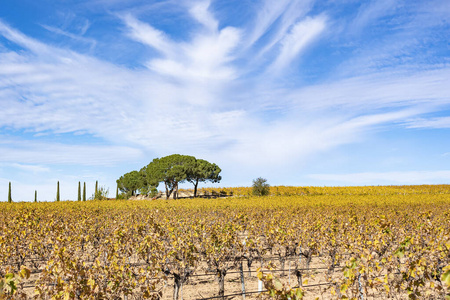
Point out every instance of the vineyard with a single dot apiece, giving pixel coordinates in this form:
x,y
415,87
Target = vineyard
x,y
325,243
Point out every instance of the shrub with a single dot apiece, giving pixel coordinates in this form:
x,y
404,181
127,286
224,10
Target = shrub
x,y
261,187
101,193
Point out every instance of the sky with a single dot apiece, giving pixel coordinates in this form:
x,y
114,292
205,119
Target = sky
x,y
299,92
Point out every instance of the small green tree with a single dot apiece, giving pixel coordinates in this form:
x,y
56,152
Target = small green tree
x,y
79,191
101,194
35,196
260,187
57,192
9,193
84,191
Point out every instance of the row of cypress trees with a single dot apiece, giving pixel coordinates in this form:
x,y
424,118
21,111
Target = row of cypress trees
x,y
58,194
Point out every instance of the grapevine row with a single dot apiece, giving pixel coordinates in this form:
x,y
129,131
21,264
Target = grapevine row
x,y
390,245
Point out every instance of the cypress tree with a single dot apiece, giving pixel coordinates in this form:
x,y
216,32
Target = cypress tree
x,y
35,196
117,191
96,189
79,191
9,193
84,192
57,192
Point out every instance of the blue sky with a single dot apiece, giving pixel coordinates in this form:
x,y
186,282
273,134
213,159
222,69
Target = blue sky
x,y
299,92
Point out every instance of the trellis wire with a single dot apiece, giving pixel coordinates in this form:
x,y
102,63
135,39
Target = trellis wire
x,y
256,292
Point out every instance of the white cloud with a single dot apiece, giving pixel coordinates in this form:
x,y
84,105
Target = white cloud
x,y
28,168
203,60
428,89
29,153
370,12
21,39
149,36
301,35
267,15
201,13
294,11
75,37
431,123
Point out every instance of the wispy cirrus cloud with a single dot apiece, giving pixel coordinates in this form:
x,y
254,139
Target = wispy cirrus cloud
x,y
200,11
430,123
149,35
76,37
370,12
36,154
301,35
33,168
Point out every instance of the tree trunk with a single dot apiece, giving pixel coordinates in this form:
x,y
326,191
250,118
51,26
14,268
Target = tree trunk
x,y
333,261
177,287
167,190
249,265
175,191
283,264
195,188
298,273
308,259
221,279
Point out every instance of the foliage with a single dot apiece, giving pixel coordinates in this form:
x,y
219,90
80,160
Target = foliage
x,y
171,170
377,245
202,171
145,188
333,191
153,192
260,187
131,182
79,191
84,191
276,289
9,284
101,194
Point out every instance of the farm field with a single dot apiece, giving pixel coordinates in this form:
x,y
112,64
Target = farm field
x,y
327,243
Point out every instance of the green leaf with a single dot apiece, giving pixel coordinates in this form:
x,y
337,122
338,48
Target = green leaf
x,y
25,272
400,252
278,285
12,285
9,276
299,293
445,278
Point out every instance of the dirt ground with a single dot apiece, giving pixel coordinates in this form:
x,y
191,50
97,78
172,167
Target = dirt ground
x,y
204,286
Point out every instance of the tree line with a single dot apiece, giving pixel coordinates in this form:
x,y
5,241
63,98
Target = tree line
x,y
170,170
